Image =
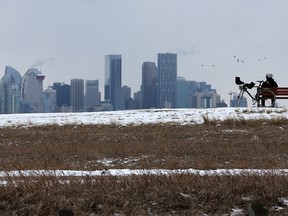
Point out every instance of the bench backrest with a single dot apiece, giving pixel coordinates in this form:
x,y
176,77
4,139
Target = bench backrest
x,y
280,92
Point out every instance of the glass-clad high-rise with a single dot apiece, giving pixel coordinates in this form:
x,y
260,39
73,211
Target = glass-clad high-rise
x,y
149,84
77,95
167,80
32,91
113,81
92,94
10,91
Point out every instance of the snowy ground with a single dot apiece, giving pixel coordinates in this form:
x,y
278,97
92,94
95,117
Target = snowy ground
x,y
179,116
136,117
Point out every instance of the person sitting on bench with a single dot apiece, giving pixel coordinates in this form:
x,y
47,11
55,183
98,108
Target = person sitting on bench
x,y
269,83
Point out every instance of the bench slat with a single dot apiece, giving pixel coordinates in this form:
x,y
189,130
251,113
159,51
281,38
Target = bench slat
x,y
281,93
281,97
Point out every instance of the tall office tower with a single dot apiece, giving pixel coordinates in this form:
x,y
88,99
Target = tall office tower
x,y
32,91
92,95
49,100
62,95
10,89
113,81
149,85
167,79
77,95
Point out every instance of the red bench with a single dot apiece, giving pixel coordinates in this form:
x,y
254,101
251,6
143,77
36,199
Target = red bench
x,y
280,92
272,94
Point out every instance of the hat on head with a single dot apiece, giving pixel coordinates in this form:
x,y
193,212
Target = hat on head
x,y
269,75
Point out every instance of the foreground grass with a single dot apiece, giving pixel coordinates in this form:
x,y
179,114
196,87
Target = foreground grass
x,y
177,194
230,144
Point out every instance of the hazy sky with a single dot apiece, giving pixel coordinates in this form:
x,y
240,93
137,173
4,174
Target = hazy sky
x,y
69,39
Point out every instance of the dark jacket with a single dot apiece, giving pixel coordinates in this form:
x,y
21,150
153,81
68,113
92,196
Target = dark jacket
x,y
269,83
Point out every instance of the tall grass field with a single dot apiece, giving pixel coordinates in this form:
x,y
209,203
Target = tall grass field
x,y
230,144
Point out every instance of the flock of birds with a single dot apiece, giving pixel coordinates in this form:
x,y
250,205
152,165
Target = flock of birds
x,y
242,61
239,60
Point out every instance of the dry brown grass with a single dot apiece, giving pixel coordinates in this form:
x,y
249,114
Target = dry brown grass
x,y
230,144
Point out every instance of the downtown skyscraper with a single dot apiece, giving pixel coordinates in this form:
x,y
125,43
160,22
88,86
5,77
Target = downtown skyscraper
x,y
77,95
113,81
92,95
10,91
32,91
167,80
62,95
149,85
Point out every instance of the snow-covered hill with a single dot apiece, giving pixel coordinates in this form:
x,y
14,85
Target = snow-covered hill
x,y
136,117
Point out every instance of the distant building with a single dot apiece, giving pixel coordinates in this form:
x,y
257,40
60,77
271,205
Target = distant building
x,y
235,103
17,78
92,95
10,91
185,94
149,85
137,99
50,100
104,106
126,92
131,104
113,81
203,86
62,96
183,97
221,104
32,91
192,85
208,99
167,79
192,94
77,95
65,109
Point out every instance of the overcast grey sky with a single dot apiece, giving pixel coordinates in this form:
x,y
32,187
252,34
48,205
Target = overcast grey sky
x,y
68,39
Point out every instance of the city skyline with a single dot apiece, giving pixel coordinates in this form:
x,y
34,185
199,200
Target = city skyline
x,y
57,82
214,40
25,94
